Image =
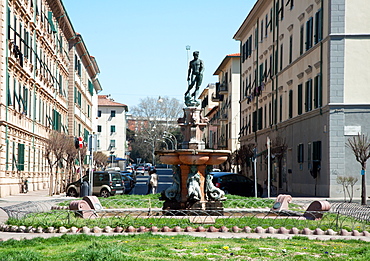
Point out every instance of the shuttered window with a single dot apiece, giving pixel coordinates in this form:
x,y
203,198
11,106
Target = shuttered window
x,y
20,161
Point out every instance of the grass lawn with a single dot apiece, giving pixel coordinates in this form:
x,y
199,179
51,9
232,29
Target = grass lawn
x,y
157,247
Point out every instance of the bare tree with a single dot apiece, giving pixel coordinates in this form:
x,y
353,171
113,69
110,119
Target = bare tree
x,y
100,160
360,146
71,154
347,183
155,117
153,110
242,157
54,152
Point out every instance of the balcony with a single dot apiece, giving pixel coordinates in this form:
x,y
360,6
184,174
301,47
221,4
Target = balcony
x,y
223,88
223,117
217,97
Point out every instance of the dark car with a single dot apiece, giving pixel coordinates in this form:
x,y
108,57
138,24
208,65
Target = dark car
x,y
235,184
105,184
130,181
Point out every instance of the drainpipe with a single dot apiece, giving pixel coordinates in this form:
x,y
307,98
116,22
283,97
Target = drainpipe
x,y
256,79
6,87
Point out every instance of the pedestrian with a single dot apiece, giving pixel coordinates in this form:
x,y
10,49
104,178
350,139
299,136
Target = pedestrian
x,y
152,181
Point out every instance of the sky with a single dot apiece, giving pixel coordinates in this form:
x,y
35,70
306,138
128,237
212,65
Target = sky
x,y
140,46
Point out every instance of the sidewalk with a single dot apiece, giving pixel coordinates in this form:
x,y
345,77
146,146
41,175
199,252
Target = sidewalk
x,y
39,195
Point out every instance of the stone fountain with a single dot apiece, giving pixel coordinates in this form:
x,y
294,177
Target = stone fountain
x,y
192,188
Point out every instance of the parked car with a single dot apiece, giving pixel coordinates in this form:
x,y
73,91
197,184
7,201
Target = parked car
x,y
105,184
235,184
129,168
129,181
140,170
130,174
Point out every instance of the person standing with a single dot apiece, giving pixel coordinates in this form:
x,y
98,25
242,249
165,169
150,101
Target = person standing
x,y
153,181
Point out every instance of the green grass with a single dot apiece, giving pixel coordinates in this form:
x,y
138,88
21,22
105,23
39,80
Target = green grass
x,y
65,218
152,201
157,247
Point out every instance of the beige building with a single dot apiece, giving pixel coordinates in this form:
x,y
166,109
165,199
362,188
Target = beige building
x,y
304,83
111,130
208,107
37,88
228,87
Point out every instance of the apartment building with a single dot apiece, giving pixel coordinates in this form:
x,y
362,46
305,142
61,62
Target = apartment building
x,y
111,130
37,42
228,87
208,107
304,83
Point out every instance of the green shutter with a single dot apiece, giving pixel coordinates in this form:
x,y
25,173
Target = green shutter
x,y
50,19
20,165
91,88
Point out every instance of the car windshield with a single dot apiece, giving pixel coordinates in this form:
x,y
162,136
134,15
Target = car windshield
x,y
116,177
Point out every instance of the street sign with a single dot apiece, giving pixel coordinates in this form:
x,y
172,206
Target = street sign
x,y
80,142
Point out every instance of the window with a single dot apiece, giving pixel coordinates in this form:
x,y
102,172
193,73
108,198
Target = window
x,y
309,95
316,153
99,128
290,49
299,99
113,128
267,24
301,40
281,56
281,108
318,92
112,143
113,114
99,113
309,31
98,144
260,115
318,26
300,153
20,161
291,2
282,10
262,30
290,104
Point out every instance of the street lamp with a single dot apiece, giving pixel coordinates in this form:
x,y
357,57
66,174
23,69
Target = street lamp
x,y
111,154
164,143
152,143
170,135
166,137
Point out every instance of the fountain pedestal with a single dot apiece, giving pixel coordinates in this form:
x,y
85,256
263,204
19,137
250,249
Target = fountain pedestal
x,y
193,188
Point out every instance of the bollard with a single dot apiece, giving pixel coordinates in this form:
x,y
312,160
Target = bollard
x,y
85,189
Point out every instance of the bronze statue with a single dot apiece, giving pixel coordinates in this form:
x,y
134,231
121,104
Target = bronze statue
x,y
195,77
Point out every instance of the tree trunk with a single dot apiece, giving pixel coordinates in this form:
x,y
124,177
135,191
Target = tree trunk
x,y
363,185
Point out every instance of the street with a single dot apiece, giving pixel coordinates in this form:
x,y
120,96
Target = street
x,y
164,181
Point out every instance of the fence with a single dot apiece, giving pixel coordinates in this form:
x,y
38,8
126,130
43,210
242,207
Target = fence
x,y
246,214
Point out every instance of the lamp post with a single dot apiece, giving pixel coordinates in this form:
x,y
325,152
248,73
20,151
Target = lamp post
x,y
170,135
152,143
111,154
167,138
164,143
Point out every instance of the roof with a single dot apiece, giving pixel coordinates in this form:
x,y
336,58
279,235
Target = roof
x,y
224,62
104,100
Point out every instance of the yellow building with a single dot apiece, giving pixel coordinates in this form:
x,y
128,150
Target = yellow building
x,y
48,81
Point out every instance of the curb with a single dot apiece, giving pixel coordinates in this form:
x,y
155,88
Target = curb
x,y
223,232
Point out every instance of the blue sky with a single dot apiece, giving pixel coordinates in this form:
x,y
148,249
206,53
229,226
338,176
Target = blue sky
x,y
140,46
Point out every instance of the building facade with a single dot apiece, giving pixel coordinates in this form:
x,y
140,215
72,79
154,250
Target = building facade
x,y
302,87
37,40
111,130
228,87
